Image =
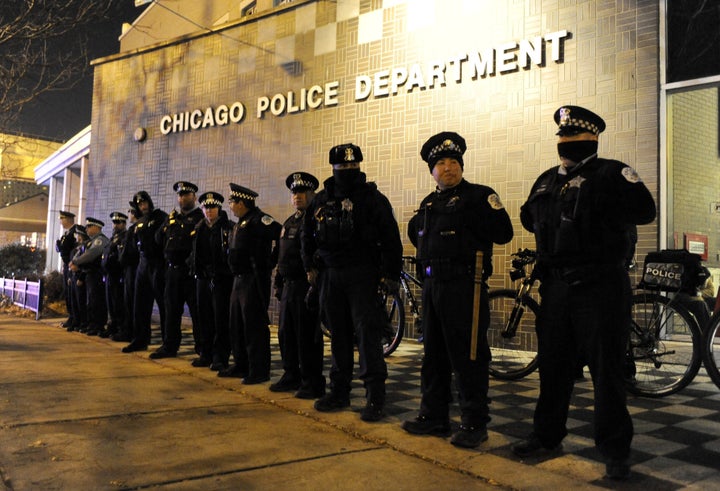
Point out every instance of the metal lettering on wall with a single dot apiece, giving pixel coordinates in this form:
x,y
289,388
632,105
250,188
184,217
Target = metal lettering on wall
x,y
501,59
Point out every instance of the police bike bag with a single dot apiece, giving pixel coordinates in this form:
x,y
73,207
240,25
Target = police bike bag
x,y
673,270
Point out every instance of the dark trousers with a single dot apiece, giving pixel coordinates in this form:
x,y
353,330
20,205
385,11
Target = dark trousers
x,y
96,307
447,330
115,298
149,288
79,301
300,337
68,291
213,301
129,273
589,320
249,323
352,310
179,290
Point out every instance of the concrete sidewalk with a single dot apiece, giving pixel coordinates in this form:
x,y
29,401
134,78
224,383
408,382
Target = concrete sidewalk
x,y
79,415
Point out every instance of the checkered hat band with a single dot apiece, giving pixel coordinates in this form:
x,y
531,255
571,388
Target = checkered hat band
x,y
300,183
445,148
579,123
212,202
239,195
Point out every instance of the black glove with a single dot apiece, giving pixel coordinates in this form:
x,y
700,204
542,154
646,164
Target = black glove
x,y
312,299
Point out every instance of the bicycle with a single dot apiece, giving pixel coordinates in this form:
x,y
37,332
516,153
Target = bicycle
x,y
663,353
511,333
665,347
394,307
711,345
711,349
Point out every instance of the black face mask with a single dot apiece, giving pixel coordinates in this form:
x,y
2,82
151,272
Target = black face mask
x,y
577,151
345,178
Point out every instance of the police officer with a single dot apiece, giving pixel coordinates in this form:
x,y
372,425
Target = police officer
x,y
175,239
582,213
90,263
150,275
113,271
251,261
129,258
350,246
78,292
299,334
211,239
65,245
454,231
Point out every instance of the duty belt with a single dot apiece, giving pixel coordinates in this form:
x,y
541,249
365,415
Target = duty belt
x,y
443,268
574,275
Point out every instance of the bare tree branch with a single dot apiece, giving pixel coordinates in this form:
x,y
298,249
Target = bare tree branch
x,y
44,46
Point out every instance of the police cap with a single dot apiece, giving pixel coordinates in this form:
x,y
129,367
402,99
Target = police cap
x,y
239,193
90,221
66,214
141,196
116,216
572,120
301,181
183,187
81,230
442,145
345,153
211,199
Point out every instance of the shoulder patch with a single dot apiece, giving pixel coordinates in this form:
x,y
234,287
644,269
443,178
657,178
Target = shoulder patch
x,y
630,175
97,242
267,220
494,201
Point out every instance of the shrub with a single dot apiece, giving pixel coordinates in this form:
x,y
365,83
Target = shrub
x,y
21,262
53,287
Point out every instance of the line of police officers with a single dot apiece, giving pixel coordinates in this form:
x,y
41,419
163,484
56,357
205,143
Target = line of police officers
x,y
341,249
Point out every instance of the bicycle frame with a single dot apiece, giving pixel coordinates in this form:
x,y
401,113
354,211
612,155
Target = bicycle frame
x,y
524,258
405,280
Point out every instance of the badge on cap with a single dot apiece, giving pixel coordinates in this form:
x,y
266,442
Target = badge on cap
x,y
564,115
349,155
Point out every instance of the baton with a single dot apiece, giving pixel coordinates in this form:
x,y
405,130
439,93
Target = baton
x,y
476,305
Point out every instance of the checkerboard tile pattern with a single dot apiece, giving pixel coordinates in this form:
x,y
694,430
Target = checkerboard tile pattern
x,y
676,443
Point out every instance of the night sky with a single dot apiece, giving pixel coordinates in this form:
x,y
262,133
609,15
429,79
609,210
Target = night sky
x,y
60,114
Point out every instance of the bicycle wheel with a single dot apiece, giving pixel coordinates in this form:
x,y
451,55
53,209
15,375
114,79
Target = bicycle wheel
x,y
393,334
664,354
393,330
711,349
516,357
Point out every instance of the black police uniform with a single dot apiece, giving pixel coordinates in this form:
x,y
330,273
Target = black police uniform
x,y
150,275
582,219
175,238
351,237
299,334
78,292
90,262
448,230
65,245
214,284
113,270
251,262
129,258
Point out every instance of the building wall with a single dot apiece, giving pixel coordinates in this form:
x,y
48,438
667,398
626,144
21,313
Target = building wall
x,y
609,63
693,161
